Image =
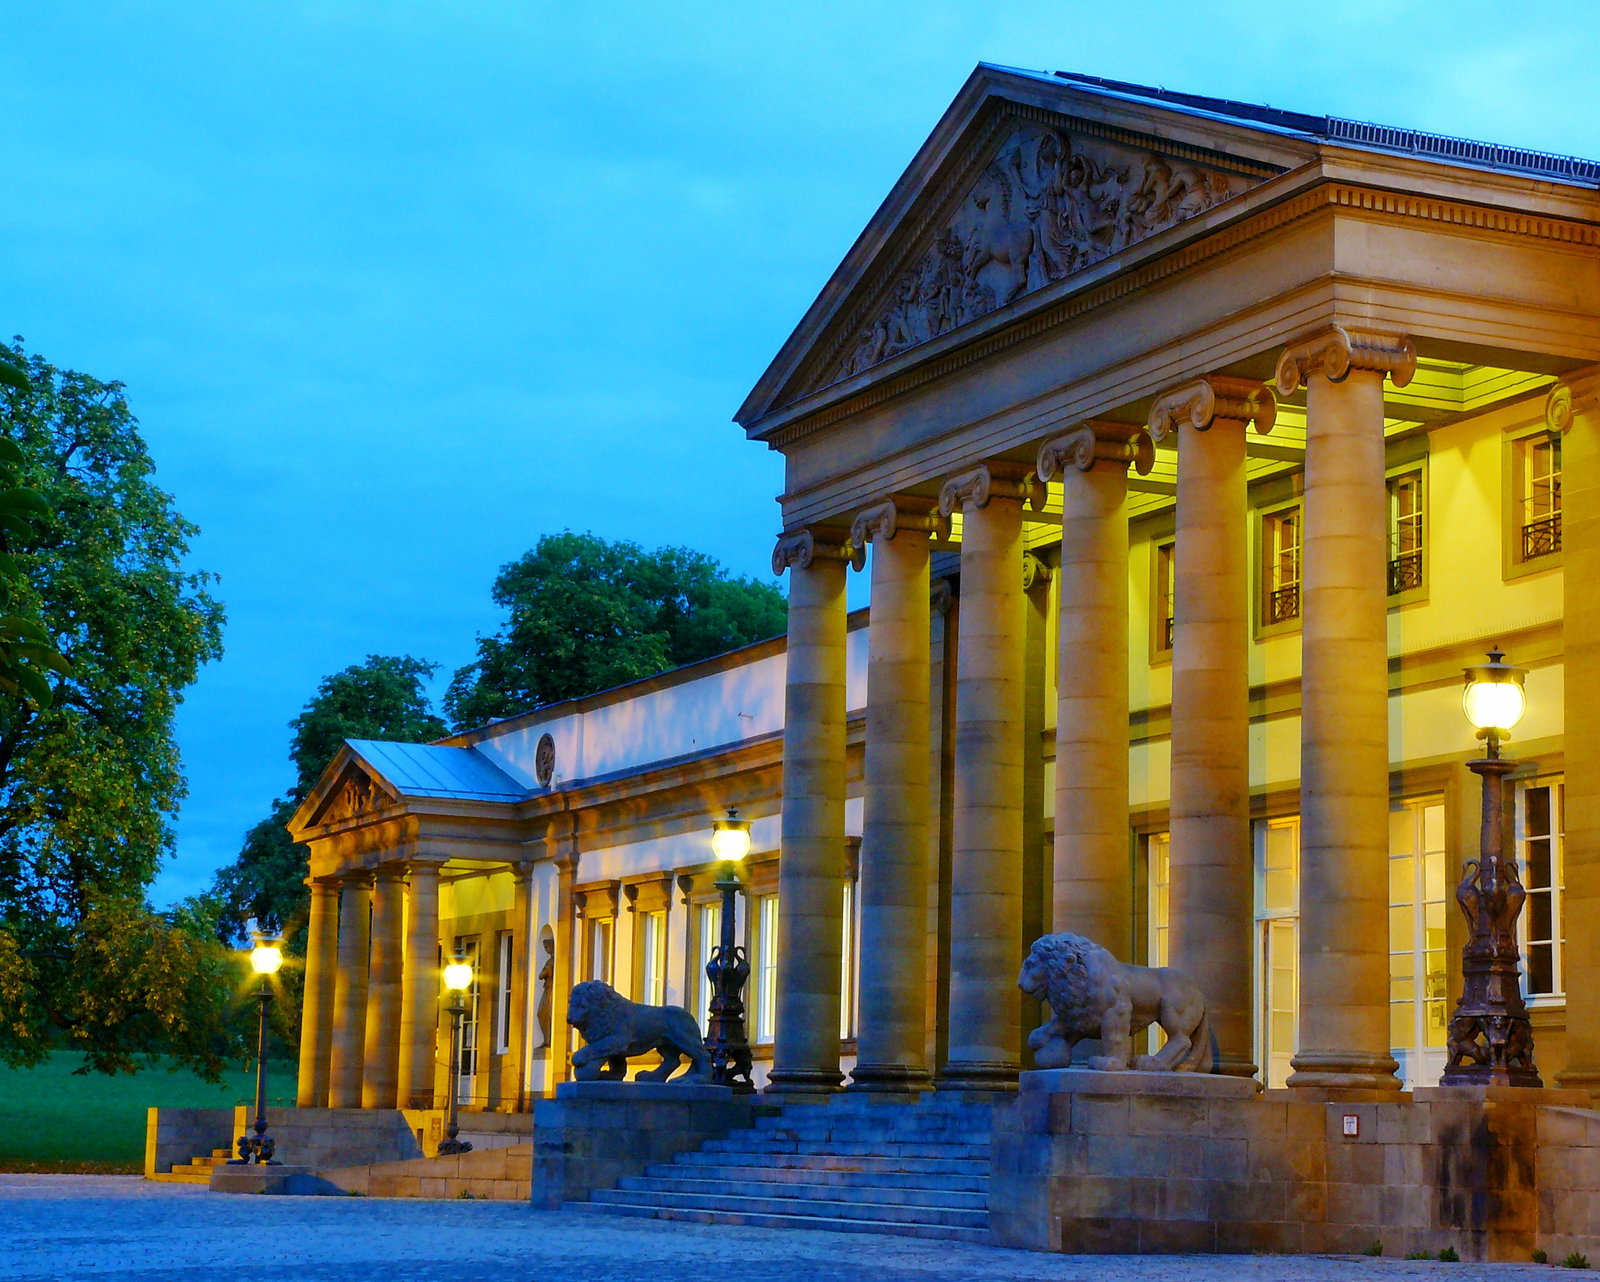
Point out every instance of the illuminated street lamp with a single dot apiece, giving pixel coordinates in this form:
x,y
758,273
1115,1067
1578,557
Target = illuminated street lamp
x,y
729,966
457,980
1491,1038
265,958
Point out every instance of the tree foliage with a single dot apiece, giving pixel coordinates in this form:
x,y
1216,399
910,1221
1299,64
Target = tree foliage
x,y
381,698
584,614
89,769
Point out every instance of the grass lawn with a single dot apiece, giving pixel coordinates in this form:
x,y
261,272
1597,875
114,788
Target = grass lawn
x,y
53,1120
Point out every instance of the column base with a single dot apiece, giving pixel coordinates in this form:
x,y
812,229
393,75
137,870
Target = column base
x,y
890,1079
1229,1066
804,1081
1579,1077
1336,1070
993,1076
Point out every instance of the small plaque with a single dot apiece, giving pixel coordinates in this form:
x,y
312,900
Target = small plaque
x,y
544,761
1352,1124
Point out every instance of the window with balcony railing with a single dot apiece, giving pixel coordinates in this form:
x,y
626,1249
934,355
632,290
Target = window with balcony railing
x,y
1280,565
1166,556
1538,482
1406,532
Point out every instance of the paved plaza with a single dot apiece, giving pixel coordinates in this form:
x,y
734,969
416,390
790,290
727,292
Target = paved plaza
x,y
122,1227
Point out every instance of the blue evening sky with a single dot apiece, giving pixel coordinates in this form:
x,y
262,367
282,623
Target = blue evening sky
x,y
397,287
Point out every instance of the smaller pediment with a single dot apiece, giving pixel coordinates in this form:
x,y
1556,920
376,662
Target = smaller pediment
x,y
352,793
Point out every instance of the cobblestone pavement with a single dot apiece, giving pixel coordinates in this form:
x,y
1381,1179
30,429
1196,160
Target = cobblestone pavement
x,y
122,1227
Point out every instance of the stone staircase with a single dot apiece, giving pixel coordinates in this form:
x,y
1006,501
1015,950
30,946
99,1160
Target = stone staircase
x,y
195,1171
919,1170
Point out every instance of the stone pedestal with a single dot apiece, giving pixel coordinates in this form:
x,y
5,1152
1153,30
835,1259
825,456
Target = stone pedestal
x,y
260,1179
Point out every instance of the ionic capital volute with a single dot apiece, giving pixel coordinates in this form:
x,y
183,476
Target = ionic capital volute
x,y
1214,398
1035,573
1577,395
973,489
882,521
799,549
1093,443
940,596
1337,350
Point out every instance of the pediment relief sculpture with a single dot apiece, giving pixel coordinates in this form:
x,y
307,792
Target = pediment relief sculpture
x,y
1048,205
356,794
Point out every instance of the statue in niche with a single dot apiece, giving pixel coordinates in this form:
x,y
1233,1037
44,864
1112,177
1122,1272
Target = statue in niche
x,y
547,979
1091,994
616,1028
1046,206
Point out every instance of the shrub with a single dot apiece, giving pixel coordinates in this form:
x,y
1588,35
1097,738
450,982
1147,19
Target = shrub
x,y
1374,1247
1448,1254
1576,1260
1539,1256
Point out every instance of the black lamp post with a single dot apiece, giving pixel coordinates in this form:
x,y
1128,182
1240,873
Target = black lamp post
x,y
265,958
457,979
729,966
1491,1038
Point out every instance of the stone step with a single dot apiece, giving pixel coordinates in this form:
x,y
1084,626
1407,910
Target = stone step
x,y
974,1182
818,1136
778,1221
733,1204
755,1144
859,1194
841,1162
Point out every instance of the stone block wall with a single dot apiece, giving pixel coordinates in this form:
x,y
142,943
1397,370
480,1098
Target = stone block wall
x,y
315,1137
173,1135
500,1174
595,1133
1105,1162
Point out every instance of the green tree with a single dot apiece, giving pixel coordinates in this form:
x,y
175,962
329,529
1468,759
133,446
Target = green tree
x,y
381,698
89,770
585,614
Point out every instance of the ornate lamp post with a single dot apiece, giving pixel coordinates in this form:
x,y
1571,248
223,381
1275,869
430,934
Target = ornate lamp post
x,y
265,958
1491,1039
457,979
729,967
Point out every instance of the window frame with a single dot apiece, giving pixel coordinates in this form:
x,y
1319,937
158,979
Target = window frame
x,y
1398,472
505,968
1517,445
1557,994
1262,593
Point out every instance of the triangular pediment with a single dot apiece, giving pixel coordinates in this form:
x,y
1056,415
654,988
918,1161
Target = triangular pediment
x,y
1023,186
347,792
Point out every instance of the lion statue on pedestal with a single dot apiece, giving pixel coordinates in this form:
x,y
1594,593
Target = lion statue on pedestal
x,y
1092,994
616,1028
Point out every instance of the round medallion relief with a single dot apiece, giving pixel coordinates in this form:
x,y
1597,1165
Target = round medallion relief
x,y
544,761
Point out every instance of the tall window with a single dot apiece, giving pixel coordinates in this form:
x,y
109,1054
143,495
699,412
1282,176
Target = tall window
x,y
710,922
1538,494
1278,943
1166,582
505,955
766,986
600,929
847,966
1280,566
653,959
1540,829
467,1051
1158,863
1418,983
1405,532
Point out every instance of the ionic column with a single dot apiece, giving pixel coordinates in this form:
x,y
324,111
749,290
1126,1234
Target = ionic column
x,y
987,809
1211,895
1573,408
381,1058
513,1074
1090,892
419,988
350,991
811,871
1344,701
892,1037
316,1012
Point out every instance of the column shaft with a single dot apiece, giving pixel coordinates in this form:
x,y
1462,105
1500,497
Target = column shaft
x,y
419,988
350,991
1211,891
986,891
892,1036
1344,745
1580,520
1090,892
513,1086
381,1059
812,867
316,1012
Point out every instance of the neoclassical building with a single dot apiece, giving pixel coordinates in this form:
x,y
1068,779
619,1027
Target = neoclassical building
x,y
1193,449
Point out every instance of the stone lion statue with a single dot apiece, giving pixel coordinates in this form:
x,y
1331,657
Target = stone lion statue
x,y
616,1028
1092,994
